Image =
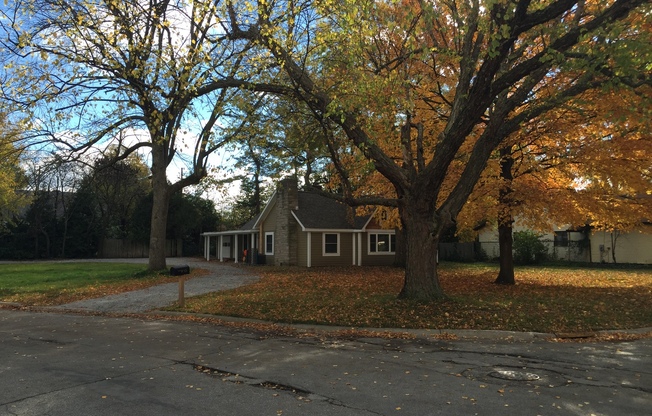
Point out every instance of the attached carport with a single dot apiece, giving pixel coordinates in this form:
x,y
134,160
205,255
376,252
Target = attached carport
x,y
233,245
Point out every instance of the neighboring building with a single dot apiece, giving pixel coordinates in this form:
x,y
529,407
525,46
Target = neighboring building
x,y
630,247
634,247
305,229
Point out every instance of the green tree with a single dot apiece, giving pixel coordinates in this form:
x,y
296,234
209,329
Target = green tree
x,y
249,202
281,137
42,222
116,188
103,203
427,91
53,182
190,215
12,176
154,75
85,226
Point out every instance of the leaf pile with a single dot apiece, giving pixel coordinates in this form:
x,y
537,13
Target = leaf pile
x,y
545,299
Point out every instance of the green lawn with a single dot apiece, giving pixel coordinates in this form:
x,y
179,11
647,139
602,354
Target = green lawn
x,y
49,283
545,299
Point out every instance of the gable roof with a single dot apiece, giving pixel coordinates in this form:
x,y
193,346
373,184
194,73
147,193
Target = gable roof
x,y
265,212
315,212
320,212
251,224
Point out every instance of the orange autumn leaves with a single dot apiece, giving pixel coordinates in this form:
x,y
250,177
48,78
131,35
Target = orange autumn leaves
x,y
545,300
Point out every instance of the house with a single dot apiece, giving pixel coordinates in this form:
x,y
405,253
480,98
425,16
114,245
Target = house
x,y
587,245
623,247
305,229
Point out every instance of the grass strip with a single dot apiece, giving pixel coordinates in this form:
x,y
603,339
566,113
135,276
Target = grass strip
x,y
54,283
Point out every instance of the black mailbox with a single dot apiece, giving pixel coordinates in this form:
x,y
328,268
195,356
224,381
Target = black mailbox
x,y
179,270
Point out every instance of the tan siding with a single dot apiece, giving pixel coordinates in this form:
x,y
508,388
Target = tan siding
x,y
302,249
269,225
344,259
377,259
270,221
346,249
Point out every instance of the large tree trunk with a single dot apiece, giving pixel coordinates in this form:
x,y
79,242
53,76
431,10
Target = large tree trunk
x,y
399,257
505,243
421,280
506,219
161,202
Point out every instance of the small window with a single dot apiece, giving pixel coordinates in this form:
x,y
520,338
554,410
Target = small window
x,y
331,246
561,239
269,243
382,243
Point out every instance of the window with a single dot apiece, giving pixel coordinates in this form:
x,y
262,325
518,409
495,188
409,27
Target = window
x,y
561,239
331,244
269,243
382,243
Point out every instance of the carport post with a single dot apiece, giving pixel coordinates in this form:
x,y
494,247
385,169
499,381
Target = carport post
x,y
235,253
252,248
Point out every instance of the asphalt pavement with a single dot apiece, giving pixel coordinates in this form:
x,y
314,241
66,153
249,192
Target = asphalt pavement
x,y
59,363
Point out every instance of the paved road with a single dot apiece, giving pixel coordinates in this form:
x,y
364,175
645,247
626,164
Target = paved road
x,y
70,364
54,363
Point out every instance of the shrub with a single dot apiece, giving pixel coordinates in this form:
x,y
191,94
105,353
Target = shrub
x,y
528,248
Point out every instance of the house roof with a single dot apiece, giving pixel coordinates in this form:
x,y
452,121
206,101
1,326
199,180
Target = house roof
x,y
320,212
251,224
315,212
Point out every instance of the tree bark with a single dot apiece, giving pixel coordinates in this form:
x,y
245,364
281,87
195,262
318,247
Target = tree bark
x,y
506,219
505,243
399,257
421,241
160,206
614,237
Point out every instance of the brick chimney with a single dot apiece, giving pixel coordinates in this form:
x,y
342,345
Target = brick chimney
x,y
285,235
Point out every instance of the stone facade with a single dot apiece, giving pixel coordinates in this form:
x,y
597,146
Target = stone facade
x,y
286,233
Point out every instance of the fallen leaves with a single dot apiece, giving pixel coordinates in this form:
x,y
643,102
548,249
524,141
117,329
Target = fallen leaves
x,y
545,299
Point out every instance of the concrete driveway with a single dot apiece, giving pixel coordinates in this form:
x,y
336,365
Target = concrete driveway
x,y
221,276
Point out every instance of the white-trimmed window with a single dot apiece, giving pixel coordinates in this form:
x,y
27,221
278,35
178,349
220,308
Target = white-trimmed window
x,y
269,243
331,244
382,243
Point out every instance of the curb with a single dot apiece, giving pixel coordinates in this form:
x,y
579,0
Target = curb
x,y
427,334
